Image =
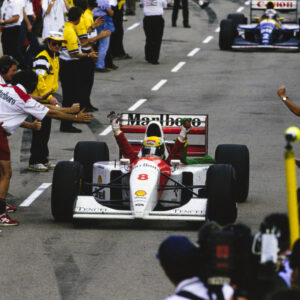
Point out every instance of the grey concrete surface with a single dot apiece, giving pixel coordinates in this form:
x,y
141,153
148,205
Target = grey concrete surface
x,y
42,259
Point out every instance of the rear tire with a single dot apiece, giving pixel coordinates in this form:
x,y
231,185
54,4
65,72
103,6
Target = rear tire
x,y
221,206
66,185
226,35
87,153
238,157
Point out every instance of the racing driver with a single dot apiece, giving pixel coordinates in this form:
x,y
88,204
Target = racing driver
x,y
271,13
153,145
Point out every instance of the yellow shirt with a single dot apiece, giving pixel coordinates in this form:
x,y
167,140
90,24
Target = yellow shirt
x,y
47,69
73,44
81,29
88,18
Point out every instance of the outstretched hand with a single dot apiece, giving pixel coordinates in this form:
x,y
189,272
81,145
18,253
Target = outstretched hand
x,y
281,91
36,125
84,117
114,120
186,123
75,108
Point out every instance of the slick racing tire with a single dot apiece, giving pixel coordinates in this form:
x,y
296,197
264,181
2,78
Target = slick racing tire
x,y
238,157
66,184
226,35
221,206
237,19
87,153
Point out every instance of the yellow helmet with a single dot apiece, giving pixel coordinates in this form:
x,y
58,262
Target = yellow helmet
x,y
270,5
153,146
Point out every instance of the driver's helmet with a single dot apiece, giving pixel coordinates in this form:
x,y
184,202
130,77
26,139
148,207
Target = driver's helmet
x,y
270,5
153,146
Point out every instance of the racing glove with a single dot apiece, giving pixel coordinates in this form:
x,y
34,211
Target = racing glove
x,y
185,128
114,120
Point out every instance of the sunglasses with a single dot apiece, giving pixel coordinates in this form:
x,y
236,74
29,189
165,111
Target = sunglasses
x,y
55,43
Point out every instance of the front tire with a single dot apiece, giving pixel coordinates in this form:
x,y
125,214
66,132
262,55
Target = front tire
x,y
221,206
226,35
66,185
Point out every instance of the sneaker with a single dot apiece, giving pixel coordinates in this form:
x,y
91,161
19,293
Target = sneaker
x,y
38,168
5,220
50,166
10,208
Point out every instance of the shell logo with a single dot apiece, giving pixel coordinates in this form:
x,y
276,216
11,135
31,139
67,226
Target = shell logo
x,y
140,193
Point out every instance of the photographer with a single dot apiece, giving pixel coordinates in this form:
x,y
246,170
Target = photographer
x,y
179,258
279,223
231,255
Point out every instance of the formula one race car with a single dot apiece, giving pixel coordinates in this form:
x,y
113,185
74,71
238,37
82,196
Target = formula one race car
x,y
268,31
93,187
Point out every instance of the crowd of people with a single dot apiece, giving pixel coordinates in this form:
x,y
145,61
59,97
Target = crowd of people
x,y
229,262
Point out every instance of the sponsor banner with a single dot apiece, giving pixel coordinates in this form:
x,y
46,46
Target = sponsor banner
x,y
280,5
135,119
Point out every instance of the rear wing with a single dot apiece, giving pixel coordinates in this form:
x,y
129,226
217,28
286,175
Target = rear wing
x,y
136,124
280,6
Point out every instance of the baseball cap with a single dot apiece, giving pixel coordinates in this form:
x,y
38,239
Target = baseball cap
x,y
176,250
56,36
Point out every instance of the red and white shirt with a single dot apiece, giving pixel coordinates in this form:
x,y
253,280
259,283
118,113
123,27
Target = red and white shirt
x,y
16,105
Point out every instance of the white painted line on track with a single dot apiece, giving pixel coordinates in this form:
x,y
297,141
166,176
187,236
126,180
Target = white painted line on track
x,y
240,9
193,52
218,29
41,189
178,66
106,131
133,26
208,39
159,85
137,104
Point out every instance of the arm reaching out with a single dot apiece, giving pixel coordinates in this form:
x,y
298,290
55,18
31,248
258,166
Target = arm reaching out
x,y
294,108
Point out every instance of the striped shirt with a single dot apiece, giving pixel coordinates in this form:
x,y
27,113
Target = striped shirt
x,y
46,67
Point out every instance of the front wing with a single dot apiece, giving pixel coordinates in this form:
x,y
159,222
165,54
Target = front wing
x,y
240,43
86,207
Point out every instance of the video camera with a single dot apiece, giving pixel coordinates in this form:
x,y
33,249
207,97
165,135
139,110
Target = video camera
x,y
231,255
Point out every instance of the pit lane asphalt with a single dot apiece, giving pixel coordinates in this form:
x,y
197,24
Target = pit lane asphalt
x,y
42,259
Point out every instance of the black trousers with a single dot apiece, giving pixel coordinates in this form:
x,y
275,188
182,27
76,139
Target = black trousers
x,y
86,73
39,144
69,73
9,40
154,30
185,12
116,39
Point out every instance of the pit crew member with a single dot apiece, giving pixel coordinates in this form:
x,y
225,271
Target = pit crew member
x,y
152,146
15,105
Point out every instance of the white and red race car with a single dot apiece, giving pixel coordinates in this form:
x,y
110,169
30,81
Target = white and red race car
x,y
93,187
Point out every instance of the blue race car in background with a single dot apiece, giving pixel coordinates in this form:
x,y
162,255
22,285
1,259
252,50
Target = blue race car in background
x,y
269,31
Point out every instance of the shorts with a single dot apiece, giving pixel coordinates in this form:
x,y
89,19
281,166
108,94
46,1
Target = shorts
x,y
4,148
